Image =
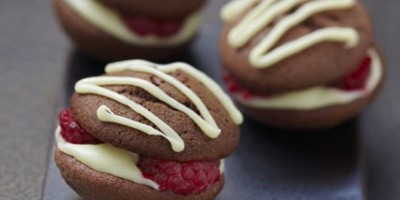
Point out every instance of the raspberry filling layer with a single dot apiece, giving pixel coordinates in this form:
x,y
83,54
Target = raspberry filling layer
x,y
145,26
72,132
356,80
181,178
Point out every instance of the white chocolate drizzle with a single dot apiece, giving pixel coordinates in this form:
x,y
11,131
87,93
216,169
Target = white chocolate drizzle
x,y
204,121
109,159
266,11
109,21
319,96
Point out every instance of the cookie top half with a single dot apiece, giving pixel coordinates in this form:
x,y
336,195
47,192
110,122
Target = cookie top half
x,y
277,46
172,111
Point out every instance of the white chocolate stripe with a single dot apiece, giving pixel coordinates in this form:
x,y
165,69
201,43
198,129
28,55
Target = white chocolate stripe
x,y
257,19
267,11
217,91
319,96
236,7
109,21
105,114
209,130
168,133
214,88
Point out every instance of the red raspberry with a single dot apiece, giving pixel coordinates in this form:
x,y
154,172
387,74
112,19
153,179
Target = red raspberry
x,y
233,87
72,132
246,95
357,79
168,28
140,25
180,178
145,26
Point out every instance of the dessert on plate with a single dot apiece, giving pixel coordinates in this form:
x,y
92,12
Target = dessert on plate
x,y
300,64
115,30
147,131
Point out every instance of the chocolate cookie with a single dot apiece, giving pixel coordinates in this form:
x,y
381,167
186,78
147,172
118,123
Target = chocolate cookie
x,y
153,131
290,62
108,34
319,64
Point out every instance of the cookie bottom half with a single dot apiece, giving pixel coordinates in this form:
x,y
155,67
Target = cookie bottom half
x,y
93,185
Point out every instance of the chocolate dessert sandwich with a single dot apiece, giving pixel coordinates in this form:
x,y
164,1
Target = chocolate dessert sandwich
x,y
125,29
146,131
300,64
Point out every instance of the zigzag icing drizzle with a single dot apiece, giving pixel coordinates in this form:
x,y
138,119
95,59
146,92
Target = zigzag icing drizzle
x,y
266,11
205,121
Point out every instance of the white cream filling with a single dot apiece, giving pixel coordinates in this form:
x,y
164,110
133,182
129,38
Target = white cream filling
x,y
109,21
106,158
320,96
109,159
